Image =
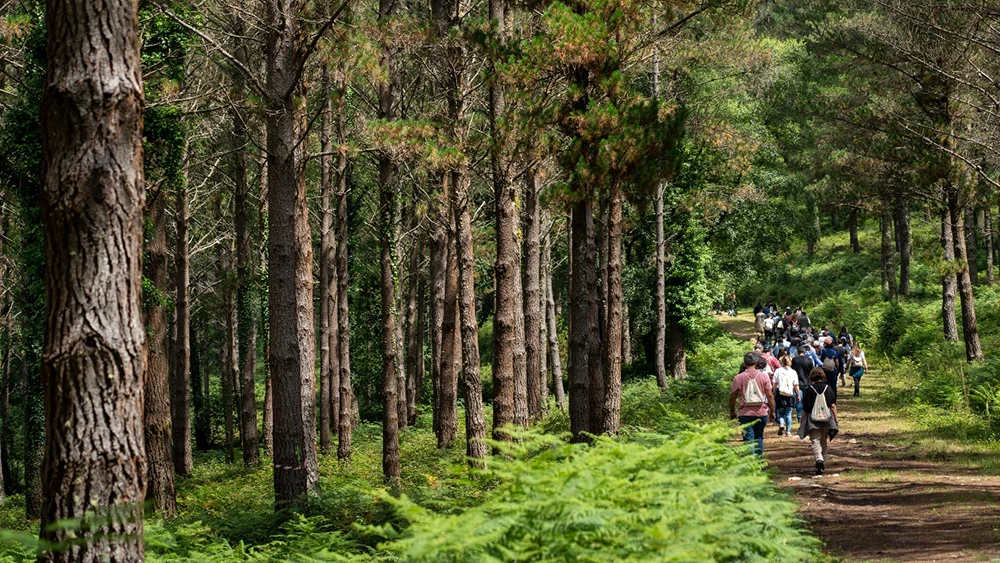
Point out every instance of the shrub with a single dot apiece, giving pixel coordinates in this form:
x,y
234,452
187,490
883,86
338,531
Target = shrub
x,y
891,327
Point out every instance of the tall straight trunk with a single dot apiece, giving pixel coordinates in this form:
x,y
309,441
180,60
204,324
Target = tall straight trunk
x,y
387,180
228,370
94,358
626,335
614,323
905,238
200,399
346,397
595,345
533,345
329,372
579,333
553,329
451,349
970,328
438,277
678,350
268,415
853,228
543,332
35,428
421,341
949,283
246,312
971,243
888,256
180,382
160,475
4,406
414,348
398,254
661,294
990,244
290,277
510,404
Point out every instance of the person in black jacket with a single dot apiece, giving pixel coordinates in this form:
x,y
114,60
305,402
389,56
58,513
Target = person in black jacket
x,y
819,432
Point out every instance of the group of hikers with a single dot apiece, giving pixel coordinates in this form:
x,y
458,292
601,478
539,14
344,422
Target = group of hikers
x,y
794,368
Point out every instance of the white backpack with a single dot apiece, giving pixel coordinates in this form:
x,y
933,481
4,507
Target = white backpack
x,y
786,385
768,324
820,411
753,396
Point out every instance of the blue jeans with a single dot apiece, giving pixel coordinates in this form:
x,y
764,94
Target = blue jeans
x,y
785,418
798,406
755,432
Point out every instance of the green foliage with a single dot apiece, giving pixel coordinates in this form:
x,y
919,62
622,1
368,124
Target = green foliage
x,y
892,327
655,498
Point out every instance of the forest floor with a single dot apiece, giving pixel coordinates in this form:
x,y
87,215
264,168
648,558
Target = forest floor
x,y
893,490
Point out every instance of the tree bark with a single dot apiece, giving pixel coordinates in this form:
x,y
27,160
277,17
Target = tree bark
x,y
533,345
414,348
290,278
180,388
346,398
614,323
970,328
438,277
510,403
397,254
595,344
905,237
94,357
853,228
329,373
200,398
661,294
971,243
579,334
245,271
990,245
888,256
451,347
229,364
678,350
553,329
949,284
160,477
387,179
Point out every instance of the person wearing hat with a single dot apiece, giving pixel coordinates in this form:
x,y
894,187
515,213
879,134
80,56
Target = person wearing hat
x,y
752,390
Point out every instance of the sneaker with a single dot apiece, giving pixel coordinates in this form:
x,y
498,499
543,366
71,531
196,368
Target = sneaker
x,y
820,466
781,431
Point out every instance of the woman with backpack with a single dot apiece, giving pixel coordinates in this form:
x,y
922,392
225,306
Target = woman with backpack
x,y
819,403
786,381
858,366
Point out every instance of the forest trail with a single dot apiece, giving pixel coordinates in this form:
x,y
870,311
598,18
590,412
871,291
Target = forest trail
x,y
891,492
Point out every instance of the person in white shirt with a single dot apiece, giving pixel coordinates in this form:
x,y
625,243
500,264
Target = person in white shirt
x,y
858,366
786,385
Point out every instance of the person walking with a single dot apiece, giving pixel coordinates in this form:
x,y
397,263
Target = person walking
x,y
786,381
752,389
820,421
858,366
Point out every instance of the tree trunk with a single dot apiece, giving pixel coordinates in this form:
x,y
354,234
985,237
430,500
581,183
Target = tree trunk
x,y
268,430
661,294
35,425
949,284
329,372
970,329
200,398
533,345
510,403
888,256
678,350
414,348
613,331
579,333
160,477
853,228
971,243
346,398
94,358
990,245
543,333
595,345
905,237
387,180
180,388
228,369
438,277
553,329
290,278
626,335
451,348
245,293
397,254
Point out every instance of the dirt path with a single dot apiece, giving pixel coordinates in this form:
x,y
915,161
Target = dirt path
x,y
892,492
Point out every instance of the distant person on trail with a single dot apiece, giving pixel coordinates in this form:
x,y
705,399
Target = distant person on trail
x,y
758,326
786,381
844,334
731,304
758,309
832,363
844,350
858,365
804,322
752,390
768,330
802,364
819,403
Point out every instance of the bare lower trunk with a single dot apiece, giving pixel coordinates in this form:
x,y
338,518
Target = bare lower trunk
x,y
438,278
970,328
990,242
904,235
414,348
160,477
228,369
579,337
180,388
346,397
543,332
595,345
94,359
398,254
853,227
678,350
451,348
888,257
949,284
971,243
661,295
626,335
329,371
533,346
553,330
613,331
200,395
